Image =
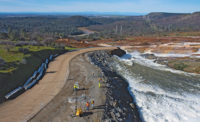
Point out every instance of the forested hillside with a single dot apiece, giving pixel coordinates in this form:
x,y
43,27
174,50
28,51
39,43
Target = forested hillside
x,y
153,23
41,28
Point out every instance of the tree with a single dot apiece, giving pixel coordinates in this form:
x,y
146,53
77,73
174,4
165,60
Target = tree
x,y
3,36
14,35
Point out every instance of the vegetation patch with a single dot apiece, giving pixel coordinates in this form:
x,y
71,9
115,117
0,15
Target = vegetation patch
x,y
18,55
180,66
19,63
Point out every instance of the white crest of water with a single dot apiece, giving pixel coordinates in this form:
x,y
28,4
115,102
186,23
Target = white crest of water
x,y
137,58
158,105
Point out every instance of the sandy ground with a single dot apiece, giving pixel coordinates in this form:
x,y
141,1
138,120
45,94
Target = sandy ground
x,y
27,105
62,107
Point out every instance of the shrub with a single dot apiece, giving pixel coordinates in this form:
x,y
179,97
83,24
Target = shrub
x,y
23,50
180,66
23,43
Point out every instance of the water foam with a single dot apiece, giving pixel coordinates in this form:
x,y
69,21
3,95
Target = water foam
x,y
158,105
137,58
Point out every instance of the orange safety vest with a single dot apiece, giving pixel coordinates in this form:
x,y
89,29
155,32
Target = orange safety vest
x,y
87,104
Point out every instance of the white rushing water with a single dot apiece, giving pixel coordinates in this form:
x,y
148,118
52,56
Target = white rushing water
x,y
136,57
157,103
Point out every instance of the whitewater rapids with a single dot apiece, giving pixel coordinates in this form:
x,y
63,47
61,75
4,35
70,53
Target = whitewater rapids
x,y
161,93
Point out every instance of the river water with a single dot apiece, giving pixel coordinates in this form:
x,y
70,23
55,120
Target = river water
x,y
162,94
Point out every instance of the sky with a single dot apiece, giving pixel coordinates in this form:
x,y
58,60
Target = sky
x,y
136,6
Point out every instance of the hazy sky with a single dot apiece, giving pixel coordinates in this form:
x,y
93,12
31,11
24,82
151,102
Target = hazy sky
x,y
138,6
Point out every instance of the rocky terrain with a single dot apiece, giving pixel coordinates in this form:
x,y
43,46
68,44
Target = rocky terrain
x,y
113,101
119,103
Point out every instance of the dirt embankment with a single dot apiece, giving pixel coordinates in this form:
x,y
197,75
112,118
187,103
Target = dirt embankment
x,y
62,107
31,102
112,100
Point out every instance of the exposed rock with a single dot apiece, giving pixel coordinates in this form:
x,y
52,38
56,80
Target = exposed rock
x,y
120,120
113,115
118,98
119,109
108,120
163,61
119,52
114,103
132,105
117,115
149,56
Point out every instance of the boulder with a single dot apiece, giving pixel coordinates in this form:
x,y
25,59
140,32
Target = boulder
x,y
132,105
149,56
119,52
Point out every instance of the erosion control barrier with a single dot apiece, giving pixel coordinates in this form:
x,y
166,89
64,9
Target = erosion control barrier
x,y
34,79
14,92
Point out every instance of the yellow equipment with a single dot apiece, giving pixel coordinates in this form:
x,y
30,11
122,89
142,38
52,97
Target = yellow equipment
x,y
79,112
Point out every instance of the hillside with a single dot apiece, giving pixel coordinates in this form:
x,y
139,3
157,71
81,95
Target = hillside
x,y
45,28
153,23
175,22
42,27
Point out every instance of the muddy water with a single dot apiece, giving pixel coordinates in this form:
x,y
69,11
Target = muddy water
x,y
162,94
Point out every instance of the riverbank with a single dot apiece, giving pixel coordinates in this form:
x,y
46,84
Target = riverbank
x,y
160,92
119,105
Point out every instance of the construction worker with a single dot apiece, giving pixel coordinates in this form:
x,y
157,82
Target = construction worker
x,y
99,84
92,103
87,106
75,87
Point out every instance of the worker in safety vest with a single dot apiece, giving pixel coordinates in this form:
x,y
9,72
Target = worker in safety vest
x,y
87,106
99,84
100,80
75,87
92,103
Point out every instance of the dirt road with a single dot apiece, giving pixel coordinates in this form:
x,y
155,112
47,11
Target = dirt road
x,y
27,105
62,107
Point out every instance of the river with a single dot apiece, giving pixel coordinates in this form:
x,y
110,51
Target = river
x,y
162,94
